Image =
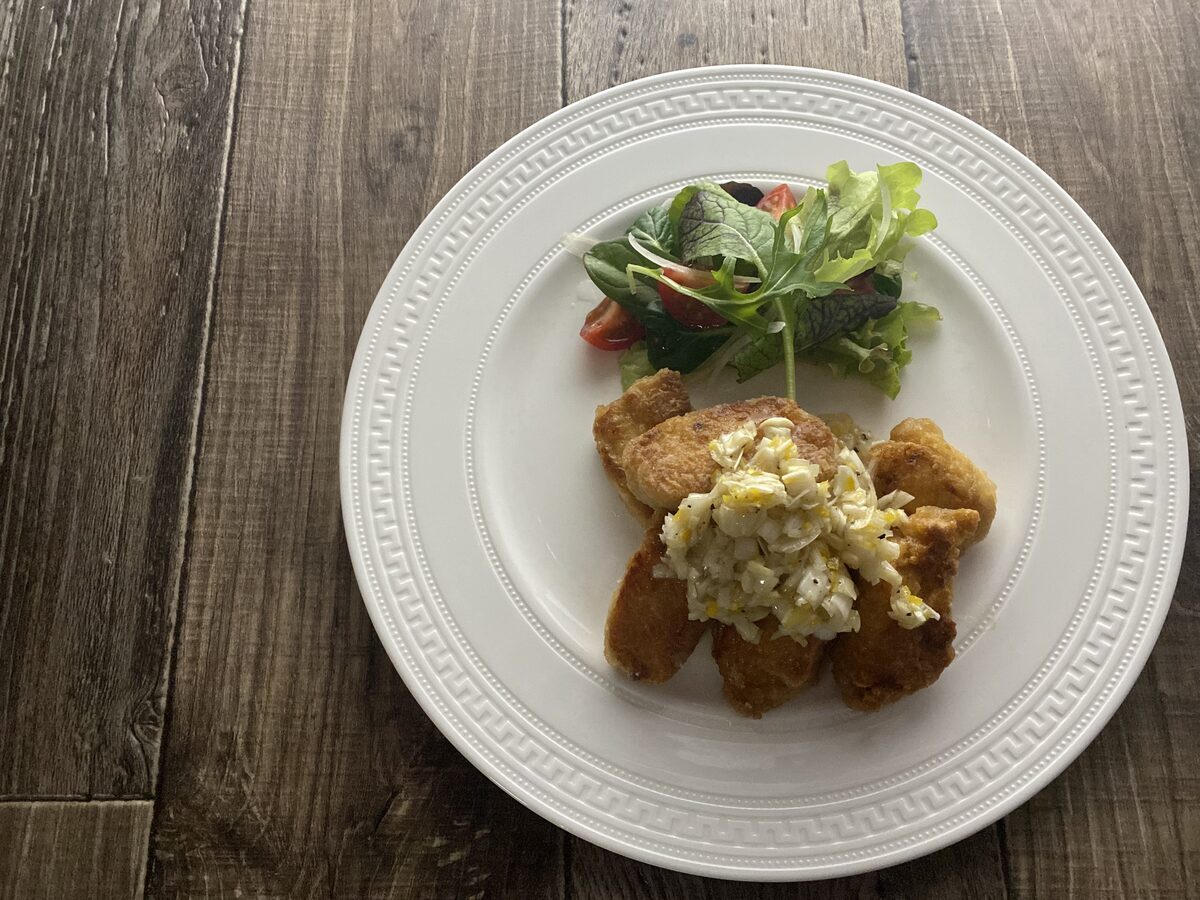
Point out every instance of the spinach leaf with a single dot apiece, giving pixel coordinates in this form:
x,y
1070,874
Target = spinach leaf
x,y
784,271
607,263
654,231
800,263
682,350
668,344
713,224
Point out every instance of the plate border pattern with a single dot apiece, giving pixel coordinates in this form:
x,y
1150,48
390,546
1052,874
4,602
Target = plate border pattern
x,y
786,840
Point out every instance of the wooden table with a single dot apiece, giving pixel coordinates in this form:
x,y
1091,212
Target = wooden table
x,y
197,203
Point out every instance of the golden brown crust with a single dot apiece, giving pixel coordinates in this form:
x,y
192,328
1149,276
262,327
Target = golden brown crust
x,y
759,677
918,459
671,460
648,635
642,513
882,662
646,403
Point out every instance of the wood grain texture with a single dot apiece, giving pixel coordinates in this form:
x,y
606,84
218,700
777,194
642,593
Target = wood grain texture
x,y
1106,98
113,124
613,41
60,851
295,762
970,870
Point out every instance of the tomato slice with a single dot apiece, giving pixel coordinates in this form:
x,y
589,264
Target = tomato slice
x,y
688,311
777,201
610,327
689,278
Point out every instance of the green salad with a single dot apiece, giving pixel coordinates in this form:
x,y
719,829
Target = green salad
x,y
728,276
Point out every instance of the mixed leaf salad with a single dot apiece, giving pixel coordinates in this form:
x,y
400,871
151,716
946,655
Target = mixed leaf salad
x,y
727,276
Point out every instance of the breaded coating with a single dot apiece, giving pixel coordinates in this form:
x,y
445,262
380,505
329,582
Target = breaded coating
x,y
672,460
646,403
919,460
648,635
882,662
759,677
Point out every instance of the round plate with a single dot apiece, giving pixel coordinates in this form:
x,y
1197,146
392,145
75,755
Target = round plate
x,y
487,541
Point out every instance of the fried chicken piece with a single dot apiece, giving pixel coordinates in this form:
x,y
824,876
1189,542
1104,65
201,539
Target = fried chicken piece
x,y
919,460
759,677
646,403
648,635
671,460
882,662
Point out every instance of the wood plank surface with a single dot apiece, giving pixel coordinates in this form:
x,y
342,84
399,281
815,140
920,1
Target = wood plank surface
x,y
59,851
969,870
197,204
1106,98
113,122
295,762
613,41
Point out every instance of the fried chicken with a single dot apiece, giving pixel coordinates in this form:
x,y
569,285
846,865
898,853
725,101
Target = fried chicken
x,y
759,677
655,449
646,403
919,460
671,460
648,635
882,662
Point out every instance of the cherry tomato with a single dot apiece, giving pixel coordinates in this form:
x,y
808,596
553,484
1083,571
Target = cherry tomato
x,y
777,201
610,327
688,311
690,278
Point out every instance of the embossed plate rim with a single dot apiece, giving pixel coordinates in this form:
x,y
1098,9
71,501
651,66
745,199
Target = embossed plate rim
x,y
710,863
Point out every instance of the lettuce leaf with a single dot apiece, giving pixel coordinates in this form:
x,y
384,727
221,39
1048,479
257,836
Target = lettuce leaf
x,y
817,320
713,224
871,214
877,350
826,286
635,364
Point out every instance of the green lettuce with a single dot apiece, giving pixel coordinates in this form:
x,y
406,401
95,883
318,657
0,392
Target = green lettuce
x,y
871,214
635,364
877,350
816,320
789,290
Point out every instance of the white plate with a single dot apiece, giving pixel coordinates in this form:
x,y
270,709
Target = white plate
x,y
487,542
